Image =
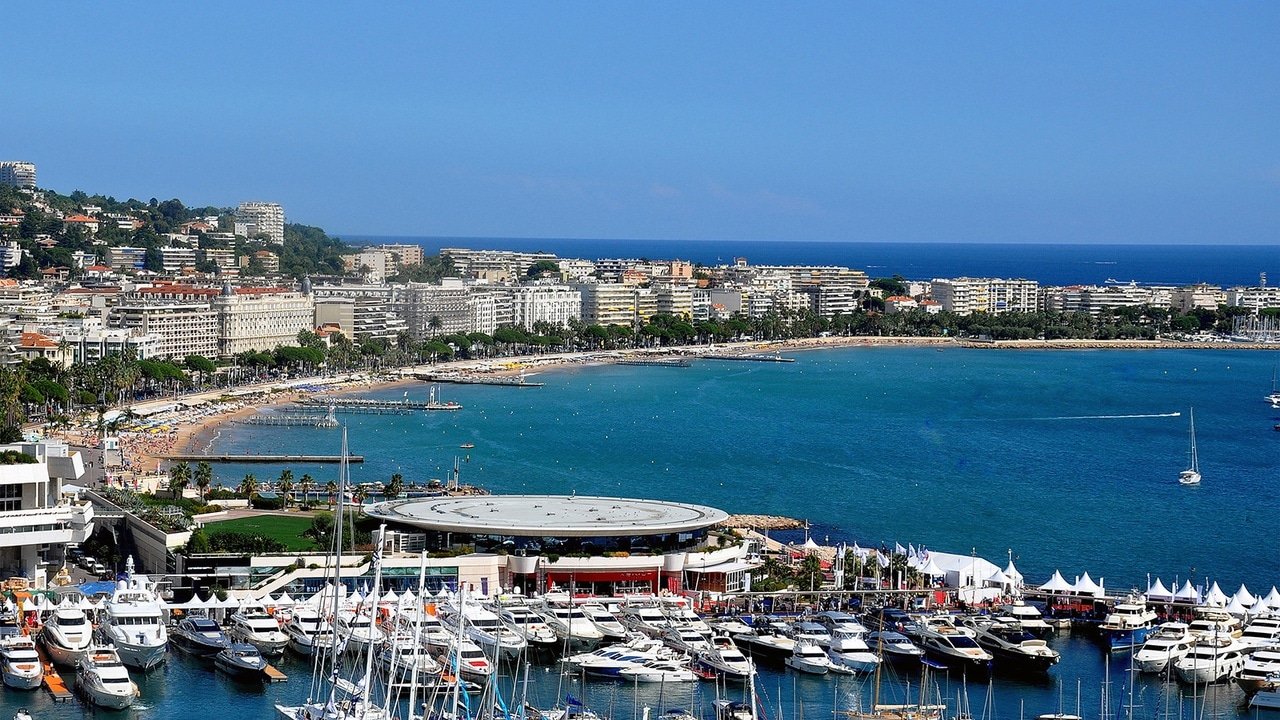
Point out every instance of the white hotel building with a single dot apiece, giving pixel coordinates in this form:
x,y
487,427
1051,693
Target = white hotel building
x,y
554,304
36,520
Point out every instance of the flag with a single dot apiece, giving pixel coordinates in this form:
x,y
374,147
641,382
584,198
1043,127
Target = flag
x,y
898,549
572,701
884,561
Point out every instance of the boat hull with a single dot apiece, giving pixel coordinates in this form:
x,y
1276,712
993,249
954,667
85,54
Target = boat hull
x,y
23,680
1116,639
62,655
142,657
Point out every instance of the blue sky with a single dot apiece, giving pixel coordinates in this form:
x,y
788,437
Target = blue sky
x,y
980,122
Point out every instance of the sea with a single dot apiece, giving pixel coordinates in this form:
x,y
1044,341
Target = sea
x,y
1050,264
1059,459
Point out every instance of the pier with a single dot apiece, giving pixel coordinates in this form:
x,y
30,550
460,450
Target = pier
x,y
655,362
748,357
52,681
293,419
376,406
263,459
497,380
274,675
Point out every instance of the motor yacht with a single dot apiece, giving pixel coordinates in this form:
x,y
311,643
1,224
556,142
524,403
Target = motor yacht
x,y
685,639
1260,670
1029,617
811,632
680,614
356,631
609,662
20,663
1210,623
728,626
1211,660
894,647
572,626
955,647
765,642
606,621
251,624
1170,642
529,625
134,622
1128,625
103,678
1263,631
200,636
646,618
808,657
657,671
1013,648
67,636
402,656
241,660
487,630
723,659
471,661
847,645
308,632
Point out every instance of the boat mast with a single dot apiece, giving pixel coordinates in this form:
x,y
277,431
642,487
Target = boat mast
x,y
375,591
1195,461
418,650
335,663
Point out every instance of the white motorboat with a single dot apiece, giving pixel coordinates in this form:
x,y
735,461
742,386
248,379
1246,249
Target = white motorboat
x,y
308,632
134,622
572,626
610,661
685,639
1191,476
1211,661
681,614
104,679
1259,670
806,656
1262,632
1028,616
728,626
472,663
253,625
67,636
487,630
356,630
644,617
241,660
529,625
20,663
606,621
657,671
847,645
894,646
810,632
1211,622
402,657
1170,642
724,659
200,636
954,647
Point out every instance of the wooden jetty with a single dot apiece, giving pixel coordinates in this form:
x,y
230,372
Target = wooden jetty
x,y
293,419
655,362
53,682
263,459
749,357
355,404
498,380
274,675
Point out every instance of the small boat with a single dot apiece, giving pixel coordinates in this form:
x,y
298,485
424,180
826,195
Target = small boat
x,y
1211,661
724,659
1260,670
605,621
1029,617
67,636
200,636
467,446
472,663
402,657
895,647
657,671
528,624
1191,476
808,657
241,660
104,679
20,663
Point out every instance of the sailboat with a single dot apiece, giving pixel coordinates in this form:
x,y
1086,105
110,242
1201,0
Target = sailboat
x,y
1191,476
1274,397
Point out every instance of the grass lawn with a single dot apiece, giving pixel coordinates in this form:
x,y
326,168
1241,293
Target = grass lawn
x,y
285,528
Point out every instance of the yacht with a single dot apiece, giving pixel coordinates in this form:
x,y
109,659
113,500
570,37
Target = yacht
x,y
1128,625
847,646
685,639
1191,476
646,618
1259,669
407,657
1170,642
241,660
954,647
1211,661
605,621
1263,632
765,642
609,662
134,622
1013,648
728,625
487,630
103,678
810,632
472,663
1029,617
20,663
1210,623
680,614
572,626
894,647
67,636
356,631
308,633
807,657
200,636
529,625
724,659
657,671
251,624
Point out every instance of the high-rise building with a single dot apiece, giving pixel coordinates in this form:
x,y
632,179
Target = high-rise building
x,y
553,304
261,318
264,218
17,173
431,310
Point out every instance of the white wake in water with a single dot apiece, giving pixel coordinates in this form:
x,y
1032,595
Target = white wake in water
x,y
1110,417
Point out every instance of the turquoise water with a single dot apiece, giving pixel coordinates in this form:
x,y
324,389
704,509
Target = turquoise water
x,y
960,450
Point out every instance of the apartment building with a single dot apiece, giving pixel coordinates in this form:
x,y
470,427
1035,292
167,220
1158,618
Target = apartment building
x,y
17,173
403,254
126,258
616,304
363,318
1201,296
488,310
493,265
36,520
430,310
965,295
1254,298
261,218
182,327
554,304
174,259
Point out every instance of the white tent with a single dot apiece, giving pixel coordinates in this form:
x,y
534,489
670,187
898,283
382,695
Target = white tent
x,y
409,597
1215,596
998,578
1273,598
86,604
389,597
1260,607
1012,573
285,601
931,569
66,602
1157,592
1244,596
197,603
1056,584
1237,608
1086,586
1187,593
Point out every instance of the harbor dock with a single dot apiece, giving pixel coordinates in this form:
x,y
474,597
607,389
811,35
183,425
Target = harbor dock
x,y
748,357
655,362
262,459
376,406
497,380
53,682
274,675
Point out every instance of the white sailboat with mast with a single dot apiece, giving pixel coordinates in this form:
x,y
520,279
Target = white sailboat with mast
x,y
1191,476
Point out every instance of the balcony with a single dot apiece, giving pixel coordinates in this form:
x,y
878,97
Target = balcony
x,y
61,524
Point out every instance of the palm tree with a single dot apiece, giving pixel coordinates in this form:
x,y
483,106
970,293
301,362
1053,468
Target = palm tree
x,y
249,486
179,478
285,485
393,489
306,484
360,495
204,478
331,488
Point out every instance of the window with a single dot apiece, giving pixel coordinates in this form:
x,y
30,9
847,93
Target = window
x,y
10,498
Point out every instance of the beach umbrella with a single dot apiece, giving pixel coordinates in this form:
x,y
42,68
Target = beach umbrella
x,y
1086,586
1187,593
1158,592
1244,596
1056,584
1215,596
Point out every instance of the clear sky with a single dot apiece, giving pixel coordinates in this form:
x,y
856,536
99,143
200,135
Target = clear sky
x,y
895,121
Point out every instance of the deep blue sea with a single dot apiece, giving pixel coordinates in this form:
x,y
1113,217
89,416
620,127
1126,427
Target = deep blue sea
x,y
1068,459
1224,265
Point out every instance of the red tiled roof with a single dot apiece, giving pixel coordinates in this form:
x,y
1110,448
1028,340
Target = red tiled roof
x,y
80,219
97,268
36,340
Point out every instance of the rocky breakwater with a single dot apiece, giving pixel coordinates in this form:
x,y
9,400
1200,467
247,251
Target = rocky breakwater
x,y
762,522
